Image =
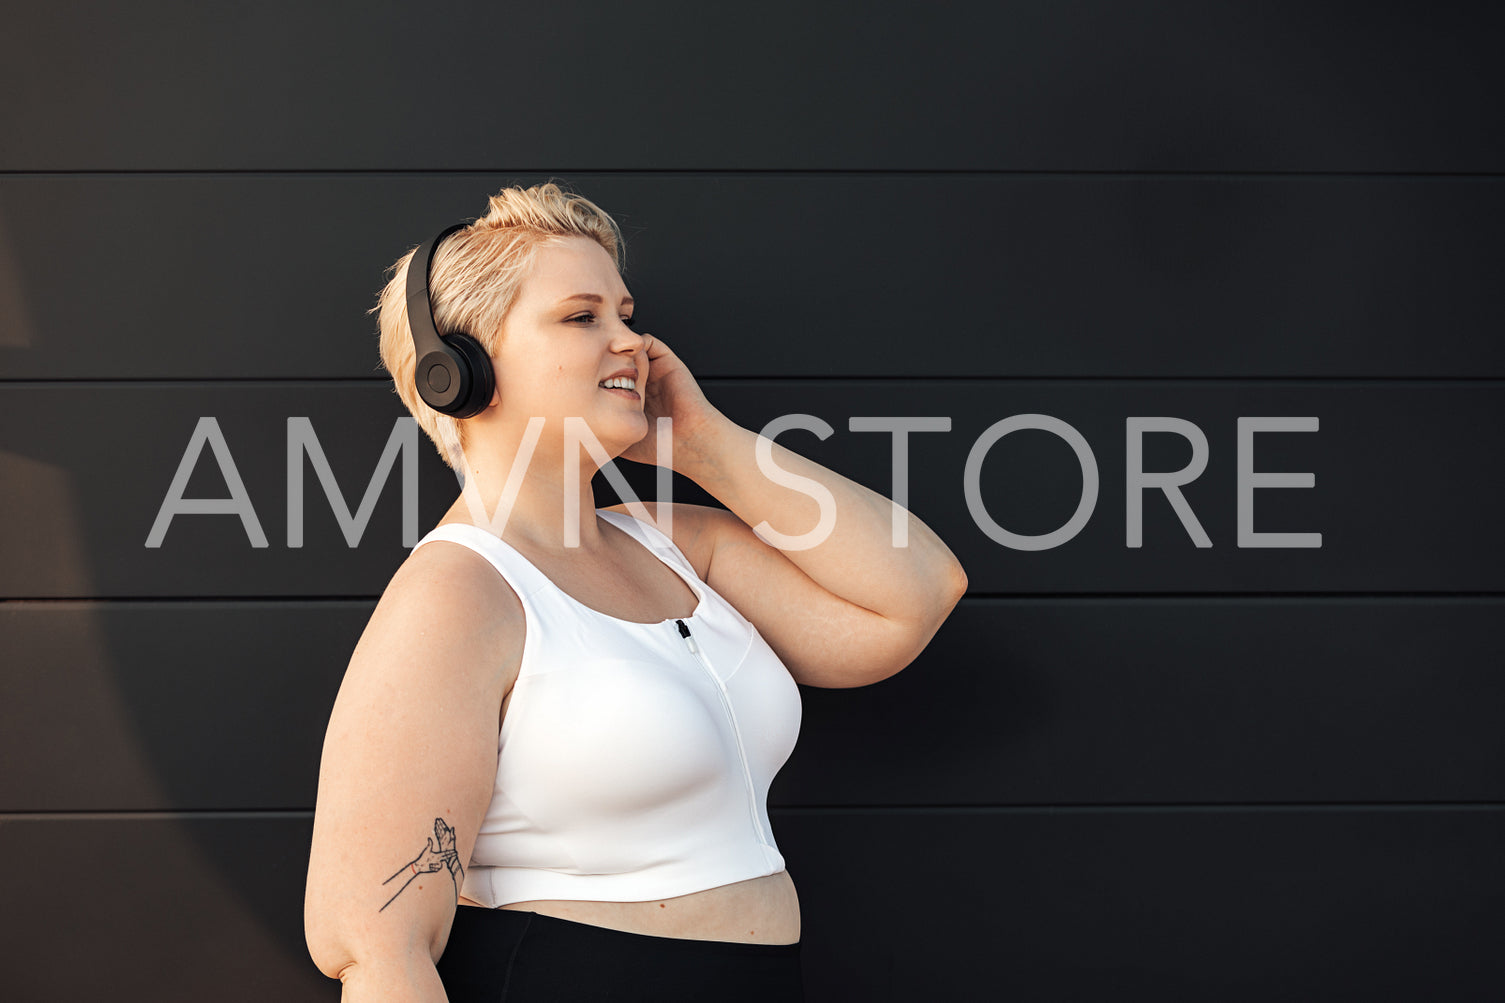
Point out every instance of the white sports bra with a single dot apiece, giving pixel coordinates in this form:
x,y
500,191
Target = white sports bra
x,y
634,759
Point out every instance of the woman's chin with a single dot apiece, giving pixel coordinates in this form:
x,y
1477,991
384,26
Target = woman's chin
x,y
619,433
632,427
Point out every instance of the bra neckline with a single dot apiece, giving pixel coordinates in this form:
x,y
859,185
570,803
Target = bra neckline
x,y
693,615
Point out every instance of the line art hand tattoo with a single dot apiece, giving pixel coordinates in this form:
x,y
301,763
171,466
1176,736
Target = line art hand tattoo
x,y
439,852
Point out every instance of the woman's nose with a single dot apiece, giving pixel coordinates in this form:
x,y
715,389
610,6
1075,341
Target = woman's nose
x,y
628,340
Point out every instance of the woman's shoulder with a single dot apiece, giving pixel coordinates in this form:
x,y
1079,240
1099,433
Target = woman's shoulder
x,y
456,584
443,614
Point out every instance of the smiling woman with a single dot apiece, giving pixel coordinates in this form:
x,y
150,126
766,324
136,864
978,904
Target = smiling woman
x,y
547,768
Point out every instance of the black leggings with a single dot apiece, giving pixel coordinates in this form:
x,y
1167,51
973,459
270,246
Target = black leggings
x,y
512,956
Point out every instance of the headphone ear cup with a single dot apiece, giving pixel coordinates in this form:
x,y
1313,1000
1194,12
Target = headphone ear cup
x,y
480,381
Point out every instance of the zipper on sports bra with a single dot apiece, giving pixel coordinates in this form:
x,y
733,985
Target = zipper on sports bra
x,y
726,703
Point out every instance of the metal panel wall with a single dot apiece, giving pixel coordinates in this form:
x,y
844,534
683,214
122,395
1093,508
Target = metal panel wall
x,y
1164,771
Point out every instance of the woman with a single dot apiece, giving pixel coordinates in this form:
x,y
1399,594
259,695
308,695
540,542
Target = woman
x,y
545,773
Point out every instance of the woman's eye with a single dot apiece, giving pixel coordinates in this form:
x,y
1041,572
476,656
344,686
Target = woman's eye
x,y
591,317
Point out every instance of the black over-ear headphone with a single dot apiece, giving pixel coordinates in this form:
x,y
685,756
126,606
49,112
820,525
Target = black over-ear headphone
x,y
453,374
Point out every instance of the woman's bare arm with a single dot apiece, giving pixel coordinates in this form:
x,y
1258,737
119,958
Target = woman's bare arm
x,y
805,554
849,610
408,768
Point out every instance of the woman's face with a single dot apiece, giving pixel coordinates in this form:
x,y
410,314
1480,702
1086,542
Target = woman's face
x,y
565,333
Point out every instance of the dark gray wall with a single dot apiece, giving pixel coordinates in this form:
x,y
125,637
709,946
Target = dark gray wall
x,y
1167,772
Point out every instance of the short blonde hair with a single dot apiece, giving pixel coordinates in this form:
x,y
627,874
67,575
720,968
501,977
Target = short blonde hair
x,y
476,276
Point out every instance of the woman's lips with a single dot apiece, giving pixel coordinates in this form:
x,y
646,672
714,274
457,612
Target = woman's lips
x,y
629,394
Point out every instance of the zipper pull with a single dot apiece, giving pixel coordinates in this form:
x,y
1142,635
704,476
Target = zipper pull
x,y
684,632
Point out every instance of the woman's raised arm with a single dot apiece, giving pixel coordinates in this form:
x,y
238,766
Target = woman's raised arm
x,y
407,772
804,553
848,608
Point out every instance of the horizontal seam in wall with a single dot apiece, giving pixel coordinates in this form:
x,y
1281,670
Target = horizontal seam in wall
x,y
273,382
18,602
791,172
812,810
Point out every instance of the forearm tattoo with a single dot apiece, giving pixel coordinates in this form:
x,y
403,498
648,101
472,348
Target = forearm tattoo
x,y
440,852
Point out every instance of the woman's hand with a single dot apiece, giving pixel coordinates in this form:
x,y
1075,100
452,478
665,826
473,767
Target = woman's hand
x,y
671,392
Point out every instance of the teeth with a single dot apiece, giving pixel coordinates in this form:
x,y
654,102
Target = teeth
x,y
623,382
